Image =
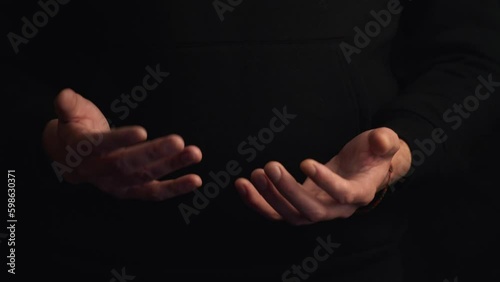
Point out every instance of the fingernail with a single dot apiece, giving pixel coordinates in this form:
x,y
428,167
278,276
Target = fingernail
x,y
312,169
274,173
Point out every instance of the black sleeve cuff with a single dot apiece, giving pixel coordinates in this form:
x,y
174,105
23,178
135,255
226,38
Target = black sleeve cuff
x,y
426,143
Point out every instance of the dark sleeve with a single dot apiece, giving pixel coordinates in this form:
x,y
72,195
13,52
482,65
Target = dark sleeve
x,y
36,70
63,54
446,57
28,109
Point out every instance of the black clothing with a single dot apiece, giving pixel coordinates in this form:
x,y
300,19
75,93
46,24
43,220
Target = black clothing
x,y
226,81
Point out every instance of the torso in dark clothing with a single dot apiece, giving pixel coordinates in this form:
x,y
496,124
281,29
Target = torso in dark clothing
x,y
225,78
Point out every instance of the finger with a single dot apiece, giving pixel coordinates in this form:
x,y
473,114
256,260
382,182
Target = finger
x,y
160,168
332,183
384,142
144,154
134,159
189,156
274,198
254,200
71,106
286,184
162,190
103,142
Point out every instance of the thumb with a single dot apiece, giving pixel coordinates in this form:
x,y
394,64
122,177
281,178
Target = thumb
x,y
384,142
70,106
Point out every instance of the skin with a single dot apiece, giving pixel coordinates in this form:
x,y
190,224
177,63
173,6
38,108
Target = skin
x,y
333,190
128,166
124,164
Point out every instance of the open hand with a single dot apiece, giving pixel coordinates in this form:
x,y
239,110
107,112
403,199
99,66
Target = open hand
x,y
120,161
333,190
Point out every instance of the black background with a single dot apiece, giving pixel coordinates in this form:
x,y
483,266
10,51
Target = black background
x,y
451,234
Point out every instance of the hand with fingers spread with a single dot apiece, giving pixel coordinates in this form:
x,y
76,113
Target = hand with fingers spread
x,y
336,189
120,162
